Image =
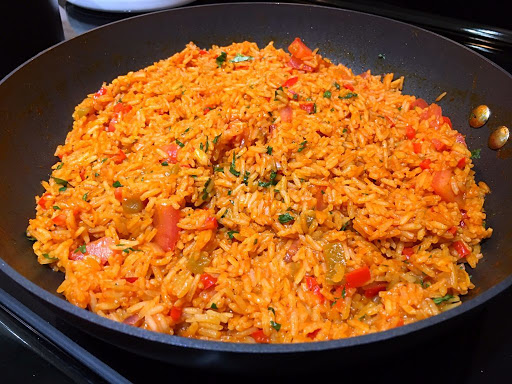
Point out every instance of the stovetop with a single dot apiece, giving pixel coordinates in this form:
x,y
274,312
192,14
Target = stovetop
x,y
45,349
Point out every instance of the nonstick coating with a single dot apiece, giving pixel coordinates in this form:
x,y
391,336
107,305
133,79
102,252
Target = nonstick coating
x,y
37,100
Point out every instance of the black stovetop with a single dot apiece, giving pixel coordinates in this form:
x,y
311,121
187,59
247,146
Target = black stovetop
x,y
48,350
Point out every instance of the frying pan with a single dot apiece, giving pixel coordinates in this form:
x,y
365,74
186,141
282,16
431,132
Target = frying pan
x,y
37,100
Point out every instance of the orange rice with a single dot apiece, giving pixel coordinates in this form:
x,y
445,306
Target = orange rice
x,y
275,215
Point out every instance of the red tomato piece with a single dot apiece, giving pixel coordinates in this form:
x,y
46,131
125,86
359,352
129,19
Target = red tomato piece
x,y
461,248
425,164
452,230
447,120
298,49
100,249
372,289
165,220
419,103
349,87
102,91
320,203
260,337
118,193
43,200
203,52
358,277
290,82
286,114
441,182
209,223
461,163
60,220
176,313
291,251
298,64
308,107
407,252
112,125
439,145
131,279
119,157
313,286
410,132
172,152
207,280
416,147
313,334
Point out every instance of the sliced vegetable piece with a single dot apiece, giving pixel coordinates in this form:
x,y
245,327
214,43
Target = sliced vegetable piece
x,y
176,313
172,152
461,248
208,280
374,288
165,221
286,114
260,337
442,185
290,82
358,277
334,256
299,50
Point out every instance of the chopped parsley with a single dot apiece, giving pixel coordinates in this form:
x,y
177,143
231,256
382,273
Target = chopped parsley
x,y
348,96
85,196
180,143
96,174
273,181
295,96
231,233
246,177
127,250
117,184
82,249
302,146
345,130
343,293
216,138
232,168
285,218
277,92
205,189
165,163
272,309
269,150
345,225
400,108
239,58
207,145
439,300
63,189
275,325
60,166
214,306
61,181
47,256
218,169
327,94
475,153
337,86
221,59
56,207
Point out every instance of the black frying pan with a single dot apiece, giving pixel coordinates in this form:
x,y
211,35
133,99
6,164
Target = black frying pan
x,y
37,100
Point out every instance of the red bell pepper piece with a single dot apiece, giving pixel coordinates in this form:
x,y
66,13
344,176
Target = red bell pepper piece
x,y
208,280
290,82
176,313
425,164
358,277
299,50
410,132
416,147
260,337
461,249
165,221
374,288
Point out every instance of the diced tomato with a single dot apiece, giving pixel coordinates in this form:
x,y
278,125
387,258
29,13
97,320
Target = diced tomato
x,y
207,109
349,87
461,249
291,251
419,103
118,193
43,200
299,50
112,125
298,64
260,337
452,230
203,52
407,252
313,334
438,145
102,91
308,107
172,152
374,288
209,223
425,164
131,279
358,277
416,147
313,286
165,221
461,163
60,220
176,313
435,111
447,120
410,132
99,248
207,280
400,323
441,182
461,139
320,202
290,82
286,114
82,174
122,108
119,157
272,128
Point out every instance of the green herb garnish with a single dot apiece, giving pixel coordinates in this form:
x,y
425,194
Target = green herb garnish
x,y
127,250
439,300
180,143
60,166
61,181
272,309
269,150
63,189
214,306
232,168
345,225
216,138
285,218
117,184
82,249
221,59
47,256
218,169
275,325
231,233
239,58
302,146
475,154
205,189
246,177
327,94
85,196
56,207
348,95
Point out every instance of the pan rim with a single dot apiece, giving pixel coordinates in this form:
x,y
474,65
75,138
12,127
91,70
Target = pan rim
x,y
218,346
